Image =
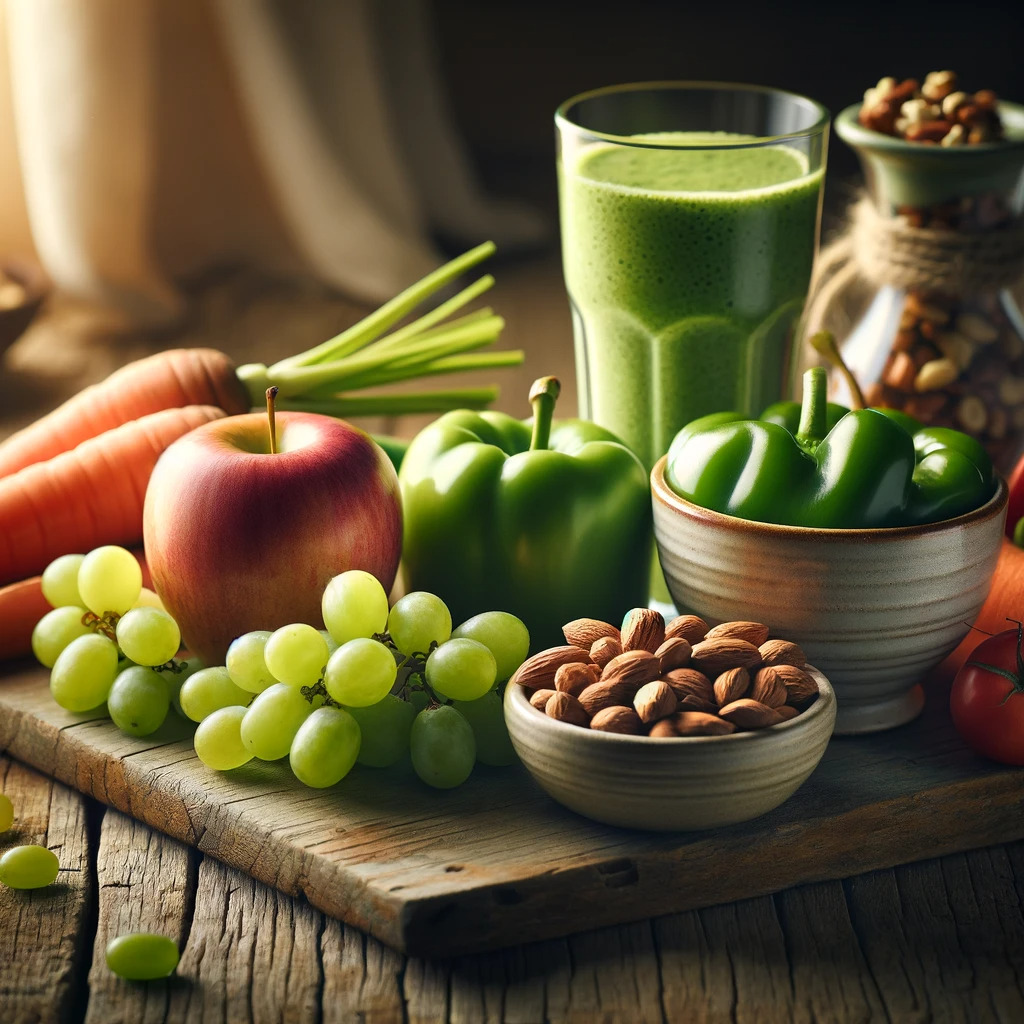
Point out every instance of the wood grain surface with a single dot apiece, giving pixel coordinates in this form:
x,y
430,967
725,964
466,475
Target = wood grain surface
x,y
495,861
941,940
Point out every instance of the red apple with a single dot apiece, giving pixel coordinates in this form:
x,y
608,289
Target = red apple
x,y
239,538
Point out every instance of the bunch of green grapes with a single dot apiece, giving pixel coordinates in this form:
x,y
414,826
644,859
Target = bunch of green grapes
x,y
374,686
108,642
371,688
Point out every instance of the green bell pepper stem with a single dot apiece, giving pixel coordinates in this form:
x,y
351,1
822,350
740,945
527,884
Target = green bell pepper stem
x,y
543,395
824,343
813,411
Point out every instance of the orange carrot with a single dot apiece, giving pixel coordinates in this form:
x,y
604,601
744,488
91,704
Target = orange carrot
x,y
22,605
1005,601
323,379
89,496
167,380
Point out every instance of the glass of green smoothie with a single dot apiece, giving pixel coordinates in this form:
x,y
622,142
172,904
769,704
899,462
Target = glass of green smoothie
x,y
690,215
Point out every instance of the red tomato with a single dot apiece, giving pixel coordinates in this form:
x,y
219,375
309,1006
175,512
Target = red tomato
x,y
987,699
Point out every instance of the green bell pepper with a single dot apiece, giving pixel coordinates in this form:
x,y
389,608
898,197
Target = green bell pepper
x,y
819,465
548,521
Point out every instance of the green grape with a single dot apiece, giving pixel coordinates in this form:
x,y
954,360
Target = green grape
x,y
325,747
210,689
84,672
461,669
176,679
149,599
138,701
142,956
55,630
504,635
6,812
218,739
28,867
246,664
148,636
296,654
442,746
385,728
418,620
360,672
59,581
273,719
109,580
486,718
354,605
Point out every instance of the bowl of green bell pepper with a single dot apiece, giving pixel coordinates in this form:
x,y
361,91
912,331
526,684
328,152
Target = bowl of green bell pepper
x,y
865,537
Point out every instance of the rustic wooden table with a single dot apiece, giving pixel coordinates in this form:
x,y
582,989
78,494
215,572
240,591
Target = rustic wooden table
x,y
937,940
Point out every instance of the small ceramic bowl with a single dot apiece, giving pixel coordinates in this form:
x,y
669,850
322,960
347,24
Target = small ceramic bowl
x,y
693,782
875,610
23,287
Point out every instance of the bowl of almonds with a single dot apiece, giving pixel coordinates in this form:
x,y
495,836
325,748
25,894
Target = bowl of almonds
x,y
669,726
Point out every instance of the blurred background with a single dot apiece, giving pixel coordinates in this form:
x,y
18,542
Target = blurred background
x,y
256,175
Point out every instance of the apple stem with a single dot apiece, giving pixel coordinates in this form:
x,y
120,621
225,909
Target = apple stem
x,y
272,417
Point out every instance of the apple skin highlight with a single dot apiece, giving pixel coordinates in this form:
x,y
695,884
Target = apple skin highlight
x,y
239,539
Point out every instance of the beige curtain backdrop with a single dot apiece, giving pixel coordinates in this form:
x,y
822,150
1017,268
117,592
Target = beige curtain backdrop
x,y
144,141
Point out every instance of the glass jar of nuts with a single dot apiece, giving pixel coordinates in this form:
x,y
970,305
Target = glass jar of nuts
x,y
919,289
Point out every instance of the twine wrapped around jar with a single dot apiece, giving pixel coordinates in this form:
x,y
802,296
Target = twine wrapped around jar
x,y
877,250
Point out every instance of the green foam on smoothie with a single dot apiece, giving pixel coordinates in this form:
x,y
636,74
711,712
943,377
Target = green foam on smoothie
x,y
693,165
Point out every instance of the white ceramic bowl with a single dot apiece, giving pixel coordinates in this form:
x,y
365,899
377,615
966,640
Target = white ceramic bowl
x,y
693,782
875,610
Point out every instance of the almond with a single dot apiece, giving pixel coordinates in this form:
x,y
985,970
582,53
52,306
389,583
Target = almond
x,y
768,687
674,653
689,627
712,657
753,632
643,630
632,667
617,719
564,707
698,723
689,682
732,684
788,712
655,700
583,632
606,695
692,703
602,651
782,652
538,672
574,678
749,714
800,685
539,698
663,730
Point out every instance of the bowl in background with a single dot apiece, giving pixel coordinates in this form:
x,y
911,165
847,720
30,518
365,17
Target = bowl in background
x,y
23,286
876,610
689,782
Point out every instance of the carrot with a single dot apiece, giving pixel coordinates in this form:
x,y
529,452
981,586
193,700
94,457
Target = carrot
x,y
22,605
319,380
89,496
1005,601
179,377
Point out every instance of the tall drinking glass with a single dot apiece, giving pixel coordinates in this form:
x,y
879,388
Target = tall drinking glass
x,y
690,216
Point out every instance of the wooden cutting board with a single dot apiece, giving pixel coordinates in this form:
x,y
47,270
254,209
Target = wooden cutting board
x,y
496,861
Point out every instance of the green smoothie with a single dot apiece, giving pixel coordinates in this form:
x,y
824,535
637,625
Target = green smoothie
x,y
687,270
